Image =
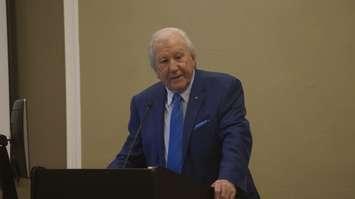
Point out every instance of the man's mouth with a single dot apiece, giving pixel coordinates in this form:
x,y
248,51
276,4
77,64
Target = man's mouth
x,y
175,77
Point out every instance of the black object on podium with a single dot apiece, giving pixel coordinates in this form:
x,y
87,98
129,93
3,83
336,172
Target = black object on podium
x,y
7,183
151,183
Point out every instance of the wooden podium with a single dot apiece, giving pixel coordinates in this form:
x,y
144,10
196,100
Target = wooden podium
x,y
152,183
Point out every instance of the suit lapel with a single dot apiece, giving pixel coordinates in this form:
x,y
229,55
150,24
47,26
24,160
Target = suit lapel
x,y
158,109
196,99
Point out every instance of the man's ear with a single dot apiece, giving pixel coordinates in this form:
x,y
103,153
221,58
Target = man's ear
x,y
193,56
156,72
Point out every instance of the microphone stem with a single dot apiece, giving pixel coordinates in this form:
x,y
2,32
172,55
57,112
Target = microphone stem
x,y
136,135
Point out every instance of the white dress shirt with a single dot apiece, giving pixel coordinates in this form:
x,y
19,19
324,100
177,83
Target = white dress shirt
x,y
168,109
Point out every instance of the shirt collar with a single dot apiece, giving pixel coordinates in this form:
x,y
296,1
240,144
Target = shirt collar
x,y
184,95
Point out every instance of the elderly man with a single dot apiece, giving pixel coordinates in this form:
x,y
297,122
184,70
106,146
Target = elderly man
x,y
192,121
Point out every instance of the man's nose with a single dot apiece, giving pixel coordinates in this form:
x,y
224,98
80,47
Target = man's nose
x,y
173,65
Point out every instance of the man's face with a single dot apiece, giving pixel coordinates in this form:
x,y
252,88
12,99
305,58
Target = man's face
x,y
174,63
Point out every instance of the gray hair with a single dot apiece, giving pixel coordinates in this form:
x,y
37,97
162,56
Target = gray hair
x,y
158,35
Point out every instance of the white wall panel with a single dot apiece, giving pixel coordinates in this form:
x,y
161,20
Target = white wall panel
x,y
4,74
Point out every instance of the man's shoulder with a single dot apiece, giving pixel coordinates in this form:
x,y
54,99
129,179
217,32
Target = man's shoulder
x,y
152,91
216,78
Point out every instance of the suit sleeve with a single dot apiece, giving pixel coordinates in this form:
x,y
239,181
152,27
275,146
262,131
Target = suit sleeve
x,y
136,158
236,137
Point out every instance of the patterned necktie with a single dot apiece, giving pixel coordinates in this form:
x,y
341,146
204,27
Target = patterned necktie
x,y
174,162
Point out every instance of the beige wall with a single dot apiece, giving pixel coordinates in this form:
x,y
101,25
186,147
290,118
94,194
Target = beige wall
x,y
295,58
41,80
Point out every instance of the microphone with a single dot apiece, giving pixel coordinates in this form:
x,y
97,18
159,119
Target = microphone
x,y
148,106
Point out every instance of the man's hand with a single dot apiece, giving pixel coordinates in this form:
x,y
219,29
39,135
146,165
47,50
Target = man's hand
x,y
223,189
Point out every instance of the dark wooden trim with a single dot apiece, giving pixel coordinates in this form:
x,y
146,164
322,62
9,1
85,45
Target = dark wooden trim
x,y
12,50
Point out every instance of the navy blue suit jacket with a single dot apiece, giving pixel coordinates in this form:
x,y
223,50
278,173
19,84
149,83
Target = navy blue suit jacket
x,y
216,137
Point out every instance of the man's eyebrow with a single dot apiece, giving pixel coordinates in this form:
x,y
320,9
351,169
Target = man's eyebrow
x,y
181,49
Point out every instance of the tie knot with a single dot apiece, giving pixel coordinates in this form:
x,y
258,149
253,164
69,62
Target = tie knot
x,y
177,98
